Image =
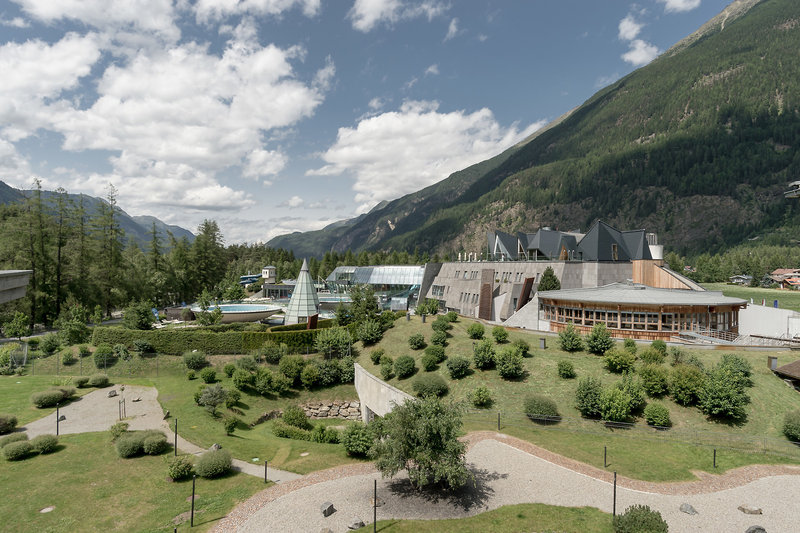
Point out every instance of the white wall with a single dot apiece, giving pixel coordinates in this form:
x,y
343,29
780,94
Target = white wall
x,y
768,321
377,397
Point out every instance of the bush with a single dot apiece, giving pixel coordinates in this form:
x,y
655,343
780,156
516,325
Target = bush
x,y
615,405
14,437
213,463
104,356
416,341
129,445
121,352
180,467
83,351
67,358
212,397
791,425
348,370
232,397
659,346
452,316
629,345
599,341
194,360
50,343
441,324
387,368
634,389
458,367
739,367
229,423
98,380
722,394
48,398
117,430
229,369
484,354
190,375
248,362
655,379
640,519
657,415
273,352
480,396
330,372
619,360
16,451
522,347
685,384
334,342
404,366
475,330
651,356
509,364
439,338
566,369
285,431
325,435
587,396
500,334
291,366
430,385
310,376
678,356
570,340
375,356
295,416
541,408
154,444
208,375
80,381
280,384
429,362
143,347
44,444
7,424
357,439
437,352
370,332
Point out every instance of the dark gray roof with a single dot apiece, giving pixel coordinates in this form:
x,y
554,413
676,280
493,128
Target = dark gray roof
x,y
596,245
629,293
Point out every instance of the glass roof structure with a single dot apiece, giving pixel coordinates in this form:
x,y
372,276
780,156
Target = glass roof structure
x,y
378,275
304,302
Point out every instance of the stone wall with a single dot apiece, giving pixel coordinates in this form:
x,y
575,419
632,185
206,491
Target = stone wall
x,y
348,410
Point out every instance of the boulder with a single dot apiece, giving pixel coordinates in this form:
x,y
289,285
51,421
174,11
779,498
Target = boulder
x,y
62,418
356,523
137,399
749,509
327,509
755,529
215,446
688,509
112,393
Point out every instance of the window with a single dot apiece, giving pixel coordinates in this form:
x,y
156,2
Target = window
x,y
457,273
614,253
466,274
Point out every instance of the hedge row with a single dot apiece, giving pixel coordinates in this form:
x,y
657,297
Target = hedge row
x,y
321,324
178,341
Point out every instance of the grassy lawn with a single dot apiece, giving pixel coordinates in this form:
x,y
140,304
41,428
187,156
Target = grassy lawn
x,y
108,493
787,299
512,518
15,394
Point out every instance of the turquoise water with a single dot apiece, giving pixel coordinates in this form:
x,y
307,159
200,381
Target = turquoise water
x,y
241,308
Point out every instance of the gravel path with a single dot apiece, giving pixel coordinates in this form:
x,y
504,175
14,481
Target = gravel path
x,y
506,474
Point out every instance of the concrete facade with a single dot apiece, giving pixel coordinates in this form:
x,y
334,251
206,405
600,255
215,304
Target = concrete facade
x,y
13,284
769,322
376,396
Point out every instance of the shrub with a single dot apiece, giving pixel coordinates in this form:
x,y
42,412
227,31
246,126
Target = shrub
x,y
212,397
439,338
129,445
44,444
566,369
50,343
194,360
14,437
541,408
437,352
213,463
229,369
48,398
80,381
83,351
416,341
481,396
208,375
404,366
198,393
458,367
387,368
657,415
229,423
143,347
640,519
325,435
484,354
232,397
285,431
678,355
722,394
685,384
375,356
599,341
651,356
615,404
348,370
659,346
104,356
500,334
7,424
330,373
190,375
262,381
475,330
441,324
98,380
67,358
630,345
310,376
154,444
429,362
619,360
280,384
333,342
180,467
522,347
117,430
655,379
248,362
569,340
634,389
273,352
429,385
509,364
452,316
295,416
739,367
357,439
587,396
16,451
121,352
291,366
791,425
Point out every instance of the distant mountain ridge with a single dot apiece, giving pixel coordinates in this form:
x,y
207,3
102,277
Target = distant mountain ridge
x,y
697,146
136,227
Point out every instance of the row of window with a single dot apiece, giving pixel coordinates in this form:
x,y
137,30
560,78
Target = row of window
x,y
468,298
468,274
719,321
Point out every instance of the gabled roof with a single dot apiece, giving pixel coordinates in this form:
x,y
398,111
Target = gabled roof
x,y
792,370
597,244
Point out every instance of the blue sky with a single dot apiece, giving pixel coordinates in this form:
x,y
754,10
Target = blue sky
x,y
272,116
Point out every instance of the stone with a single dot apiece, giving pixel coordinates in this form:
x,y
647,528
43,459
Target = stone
x,y
112,393
137,399
215,446
166,415
376,503
62,418
356,523
688,509
327,509
748,509
755,529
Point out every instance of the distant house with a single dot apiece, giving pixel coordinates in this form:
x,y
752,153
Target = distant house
x,y
786,278
741,279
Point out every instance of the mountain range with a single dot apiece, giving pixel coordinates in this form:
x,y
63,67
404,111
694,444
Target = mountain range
x,y
697,146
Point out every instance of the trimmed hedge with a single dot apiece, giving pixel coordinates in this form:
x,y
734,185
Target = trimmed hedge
x,y
7,424
50,398
16,451
213,463
80,381
44,443
98,380
540,408
285,431
429,385
135,443
14,437
180,467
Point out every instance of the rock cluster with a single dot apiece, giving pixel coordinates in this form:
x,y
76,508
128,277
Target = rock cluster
x,y
348,410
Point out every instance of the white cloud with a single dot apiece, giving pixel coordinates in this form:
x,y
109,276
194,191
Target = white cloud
x,y
640,53
264,163
294,201
629,28
676,6
432,70
403,151
452,30
12,165
367,14
603,81
215,10
376,103
482,37
284,225
16,22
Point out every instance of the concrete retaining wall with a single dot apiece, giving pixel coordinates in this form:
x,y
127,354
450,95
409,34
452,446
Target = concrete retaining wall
x,y
377,397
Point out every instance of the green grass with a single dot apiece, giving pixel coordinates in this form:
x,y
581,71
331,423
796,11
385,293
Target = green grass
x,y
512,518
15,393
106,493
787,299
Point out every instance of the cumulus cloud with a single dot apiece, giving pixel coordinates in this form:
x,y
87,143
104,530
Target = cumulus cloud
x,y
12,165
376,103
402,151
452,30
432,70
264,163
629,28
294,201
640,53
367,14
215,10
677,6
16,22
